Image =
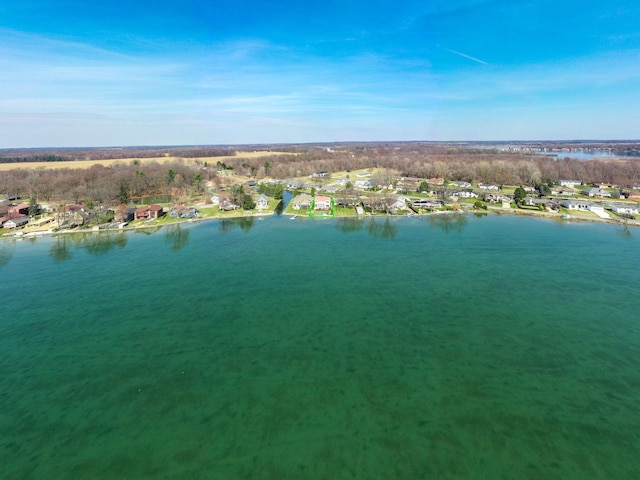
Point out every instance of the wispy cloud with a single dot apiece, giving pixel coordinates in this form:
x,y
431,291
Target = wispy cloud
x,y
463,55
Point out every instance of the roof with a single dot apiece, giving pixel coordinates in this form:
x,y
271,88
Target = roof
x,y
302,197
22,219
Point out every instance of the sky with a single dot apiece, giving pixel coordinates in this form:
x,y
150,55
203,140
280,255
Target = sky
x,y
209,72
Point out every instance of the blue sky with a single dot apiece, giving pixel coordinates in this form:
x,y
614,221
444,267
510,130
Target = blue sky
x,y
102,73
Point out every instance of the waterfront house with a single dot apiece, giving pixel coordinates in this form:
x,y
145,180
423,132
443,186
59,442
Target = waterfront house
x,y
426,203
16,222
374,203
123,213
322,203
226,205
575,204
547,203
625,208
346,201
74,215
397,203
149,212
262,202
182,210
585,206
301,202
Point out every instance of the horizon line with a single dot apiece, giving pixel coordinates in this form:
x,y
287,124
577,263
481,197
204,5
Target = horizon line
x,y
332,142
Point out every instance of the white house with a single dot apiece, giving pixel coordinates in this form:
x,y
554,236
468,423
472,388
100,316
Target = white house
x,y
426,203
16,222
322,203
465,194
576,204
397,203
262,202
629,209
585,206
569,183
488,186
363,183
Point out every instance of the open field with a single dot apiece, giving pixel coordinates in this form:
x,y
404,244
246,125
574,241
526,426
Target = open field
x,y
71,164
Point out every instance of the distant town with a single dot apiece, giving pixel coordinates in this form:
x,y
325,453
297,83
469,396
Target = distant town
x,y
46,191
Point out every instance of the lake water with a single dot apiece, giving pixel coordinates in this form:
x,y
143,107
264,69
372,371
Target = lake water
x,y
589,155
445,347
577,154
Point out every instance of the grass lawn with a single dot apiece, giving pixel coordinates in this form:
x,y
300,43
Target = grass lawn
x,y
578,213
345,212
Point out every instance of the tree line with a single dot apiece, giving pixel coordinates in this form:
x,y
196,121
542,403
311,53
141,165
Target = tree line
x,y
114,153
122,182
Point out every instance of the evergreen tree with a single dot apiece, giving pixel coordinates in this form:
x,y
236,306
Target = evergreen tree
x,y
33,207
518,195
123,194
248,203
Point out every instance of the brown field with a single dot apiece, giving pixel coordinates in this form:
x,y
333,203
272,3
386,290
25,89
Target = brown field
x,y
89,163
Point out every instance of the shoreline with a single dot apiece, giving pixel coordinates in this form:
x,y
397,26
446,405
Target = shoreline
x,y
495,211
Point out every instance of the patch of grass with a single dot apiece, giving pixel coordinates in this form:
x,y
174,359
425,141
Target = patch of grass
x,y
345,211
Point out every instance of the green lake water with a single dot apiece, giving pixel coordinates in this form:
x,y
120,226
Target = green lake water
x,y
449,347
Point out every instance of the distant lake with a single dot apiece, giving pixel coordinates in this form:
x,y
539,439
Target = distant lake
x,y
441,347
587,155
579,155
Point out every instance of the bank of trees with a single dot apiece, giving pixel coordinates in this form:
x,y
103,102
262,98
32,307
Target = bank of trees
x,y
114,184
103,185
